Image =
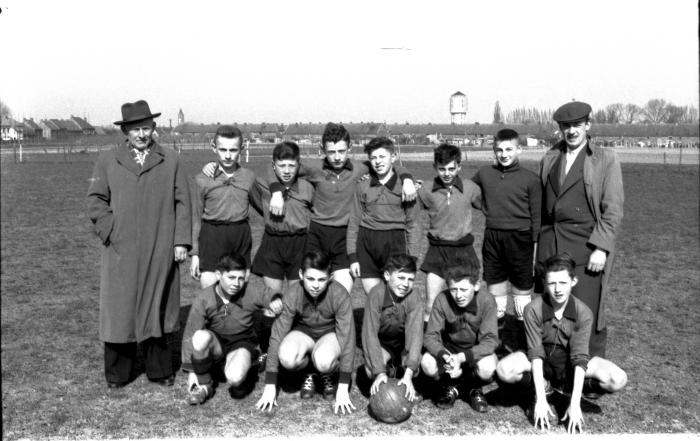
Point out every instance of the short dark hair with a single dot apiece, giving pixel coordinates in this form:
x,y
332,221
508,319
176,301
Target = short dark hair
x,y
462,269
380,142
400,262
231,262
506,135
334,133
230,132
445,153
559,262
285,150
316,260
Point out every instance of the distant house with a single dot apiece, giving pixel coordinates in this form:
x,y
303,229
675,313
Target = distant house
x,y
32,129
11,130
83,125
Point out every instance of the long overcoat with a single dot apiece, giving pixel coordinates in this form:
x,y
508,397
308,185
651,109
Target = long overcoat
x,y
602,178
140,214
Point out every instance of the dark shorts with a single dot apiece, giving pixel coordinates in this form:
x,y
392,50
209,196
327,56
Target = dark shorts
x,y
374,248
218,238
280,257
439,257
507,255
557,368
315,334
330,241
396,348
230,343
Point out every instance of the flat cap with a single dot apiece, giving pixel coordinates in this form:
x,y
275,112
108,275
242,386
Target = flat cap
x,y
572,112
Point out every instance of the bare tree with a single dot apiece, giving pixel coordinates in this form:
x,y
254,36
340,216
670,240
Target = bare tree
x,y
691,115
613,113
675,114
656,111
600,117
5,110
497,118
630,113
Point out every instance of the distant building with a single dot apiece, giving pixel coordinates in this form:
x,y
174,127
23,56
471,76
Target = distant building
x,y
458,108
32,129
180,117
11,130
83,125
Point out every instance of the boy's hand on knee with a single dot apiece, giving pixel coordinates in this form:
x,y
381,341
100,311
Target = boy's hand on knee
x,y
342,400
355,269
381,378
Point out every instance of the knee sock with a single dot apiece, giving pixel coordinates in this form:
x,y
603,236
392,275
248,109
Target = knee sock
x,y
520,299
499,291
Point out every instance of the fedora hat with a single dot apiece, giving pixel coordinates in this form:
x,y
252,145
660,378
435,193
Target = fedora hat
x,y
135,112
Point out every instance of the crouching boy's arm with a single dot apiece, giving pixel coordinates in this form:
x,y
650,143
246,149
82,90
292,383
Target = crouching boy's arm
x,y
573,413
487,336
345,332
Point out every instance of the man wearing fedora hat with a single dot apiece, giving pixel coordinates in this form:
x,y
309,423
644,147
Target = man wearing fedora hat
x,y
582,203
139,203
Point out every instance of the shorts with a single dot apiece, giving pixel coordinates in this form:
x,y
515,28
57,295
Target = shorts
x,y
507,255
374,248
557,368
280,256
219,238
315,334
230,343
330,241
439,257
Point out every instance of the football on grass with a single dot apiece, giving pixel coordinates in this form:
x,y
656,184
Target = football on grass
x,y
389,404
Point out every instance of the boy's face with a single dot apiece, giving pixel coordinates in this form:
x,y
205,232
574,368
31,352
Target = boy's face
x,y
285,169
507,152
463,291
447,172
559,285
227,150
400,282
231,282
381,160
336,153
315,281
575,133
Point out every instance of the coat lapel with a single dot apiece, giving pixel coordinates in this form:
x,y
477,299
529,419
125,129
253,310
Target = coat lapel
x,y
154,158
575,172
124,158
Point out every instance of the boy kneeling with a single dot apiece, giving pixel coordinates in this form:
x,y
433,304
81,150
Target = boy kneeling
x,y
219,331
392,329
315,330
461,338
558,327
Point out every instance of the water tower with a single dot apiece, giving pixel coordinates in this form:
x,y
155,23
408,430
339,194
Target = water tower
x,y
458,108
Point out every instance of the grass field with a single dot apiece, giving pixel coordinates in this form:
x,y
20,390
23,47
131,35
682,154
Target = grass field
x,y
52,368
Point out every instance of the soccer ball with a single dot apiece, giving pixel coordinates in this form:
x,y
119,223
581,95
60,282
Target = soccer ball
x,y
389,404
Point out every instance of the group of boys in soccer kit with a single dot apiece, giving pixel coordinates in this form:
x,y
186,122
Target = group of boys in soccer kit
x,y
332,220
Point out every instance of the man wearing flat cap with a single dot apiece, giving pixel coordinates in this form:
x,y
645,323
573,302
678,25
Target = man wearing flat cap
x,y
582,200
139,203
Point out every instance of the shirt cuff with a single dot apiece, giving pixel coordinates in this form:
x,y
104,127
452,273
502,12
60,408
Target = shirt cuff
x,y
344,377
275,187
270,377
537,352
352,257
468,357
405,176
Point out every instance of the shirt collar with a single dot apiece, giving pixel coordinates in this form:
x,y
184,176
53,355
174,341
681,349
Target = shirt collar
x,y
548,309
219,170
347,166
311,300
235,299
390,299
391,183
457,183
471,308
511,168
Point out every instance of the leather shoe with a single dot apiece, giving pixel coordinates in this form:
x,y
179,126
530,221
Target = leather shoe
x,y
116,384
165,381
478,401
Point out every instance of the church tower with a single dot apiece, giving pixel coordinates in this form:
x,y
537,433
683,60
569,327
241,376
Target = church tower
x,y
180,118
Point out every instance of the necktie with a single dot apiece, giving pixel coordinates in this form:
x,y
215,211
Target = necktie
x,y
562,170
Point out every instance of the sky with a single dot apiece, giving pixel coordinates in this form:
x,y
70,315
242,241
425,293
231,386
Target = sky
x,y
318,61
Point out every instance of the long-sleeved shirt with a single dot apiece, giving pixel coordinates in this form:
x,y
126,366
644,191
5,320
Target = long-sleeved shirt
x,y
512,198
388,319
378,206
333,190
572,332
209,311
331,311
472,330
221,199
297,206
450,207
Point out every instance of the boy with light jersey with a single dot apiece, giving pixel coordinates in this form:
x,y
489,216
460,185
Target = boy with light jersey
x,y
512,199
220,208
315,331
449,200
380,223
219,337
461,339
392,328
558,327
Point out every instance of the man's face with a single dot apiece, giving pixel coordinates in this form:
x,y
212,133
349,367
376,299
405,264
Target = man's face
x,y
447,172
140,133
227,150
559,285
463,291
507,152
285,169
381,160
400,282
231,282
315,281
575,133
336,153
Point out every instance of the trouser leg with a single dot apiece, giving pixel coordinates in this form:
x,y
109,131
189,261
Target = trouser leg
x,y
159,358
119,361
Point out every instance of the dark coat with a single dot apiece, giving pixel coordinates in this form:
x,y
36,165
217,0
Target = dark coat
x,y
602,178
140,214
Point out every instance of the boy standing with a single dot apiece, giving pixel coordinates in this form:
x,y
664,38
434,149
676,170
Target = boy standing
x,y
558,328
220,208
316,329
461,338
512,198
219,332
392,329
449,200
380,223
